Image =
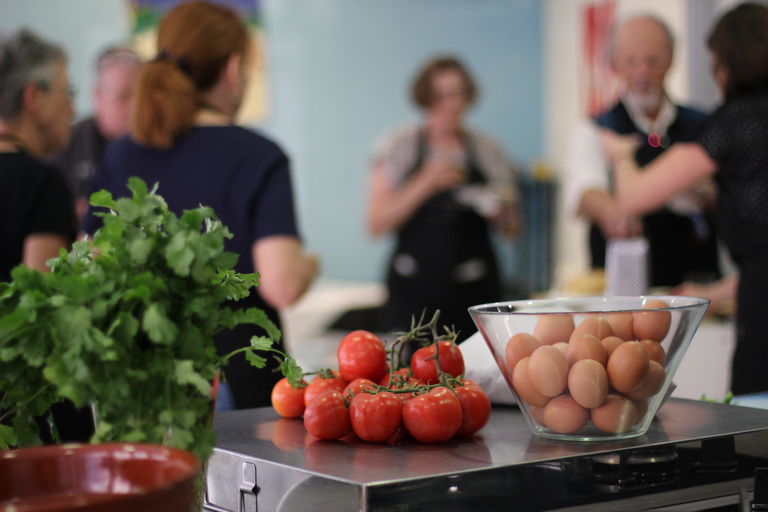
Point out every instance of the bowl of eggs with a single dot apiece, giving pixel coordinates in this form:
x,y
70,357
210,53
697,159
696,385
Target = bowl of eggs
x,y
590,368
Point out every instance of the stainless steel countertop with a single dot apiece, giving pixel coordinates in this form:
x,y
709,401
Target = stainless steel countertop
x,y
506,441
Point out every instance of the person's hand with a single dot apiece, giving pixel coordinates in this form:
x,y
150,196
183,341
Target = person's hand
x,y
616,147
508,220
439,175
614,223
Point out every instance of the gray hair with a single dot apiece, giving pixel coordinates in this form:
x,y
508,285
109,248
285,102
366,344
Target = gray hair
x,y
117,55
650,17
24,58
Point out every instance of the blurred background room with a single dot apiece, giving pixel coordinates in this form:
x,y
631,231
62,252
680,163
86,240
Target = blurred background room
x,y
333,75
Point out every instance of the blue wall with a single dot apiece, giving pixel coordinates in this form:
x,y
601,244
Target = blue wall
x,y
339,72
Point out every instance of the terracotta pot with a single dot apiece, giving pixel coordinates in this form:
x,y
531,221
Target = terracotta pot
x,y
119,477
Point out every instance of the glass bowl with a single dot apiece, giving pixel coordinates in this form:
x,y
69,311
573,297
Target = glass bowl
x,y
590,368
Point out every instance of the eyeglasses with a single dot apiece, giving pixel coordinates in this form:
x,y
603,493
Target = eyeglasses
x,y
70,91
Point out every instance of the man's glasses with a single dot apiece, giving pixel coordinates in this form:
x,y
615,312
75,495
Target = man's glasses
x,y
70,91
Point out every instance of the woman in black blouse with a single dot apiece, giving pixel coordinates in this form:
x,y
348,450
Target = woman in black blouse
x,y
732,146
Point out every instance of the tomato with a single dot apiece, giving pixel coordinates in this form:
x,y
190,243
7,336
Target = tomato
x,y
433,417
358,385
451,361
320,384
475,409
287,401
327,417
375,417
362,354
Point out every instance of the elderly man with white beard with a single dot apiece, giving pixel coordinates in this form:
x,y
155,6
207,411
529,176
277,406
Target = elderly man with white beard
x,y
682,244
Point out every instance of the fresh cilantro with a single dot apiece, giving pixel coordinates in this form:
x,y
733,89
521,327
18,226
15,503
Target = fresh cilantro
x,y
125,323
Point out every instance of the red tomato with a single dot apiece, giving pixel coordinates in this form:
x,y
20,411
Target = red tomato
x,y
375,417
451,361
288,402
356,386
320,384
475,409
362,354
433,417
327,417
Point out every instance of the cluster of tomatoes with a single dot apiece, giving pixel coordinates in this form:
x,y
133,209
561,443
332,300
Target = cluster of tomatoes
x,y
376,397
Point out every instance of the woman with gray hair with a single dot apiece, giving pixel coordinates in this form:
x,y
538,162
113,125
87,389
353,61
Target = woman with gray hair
x,y
36,213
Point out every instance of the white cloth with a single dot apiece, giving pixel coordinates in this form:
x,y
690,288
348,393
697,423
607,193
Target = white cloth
x,y
480,367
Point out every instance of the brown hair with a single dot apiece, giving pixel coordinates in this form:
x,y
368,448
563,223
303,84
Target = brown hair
x,y
739,42
195,40
421,90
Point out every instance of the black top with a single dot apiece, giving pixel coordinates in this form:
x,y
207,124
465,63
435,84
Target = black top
x,y
34,199
736,137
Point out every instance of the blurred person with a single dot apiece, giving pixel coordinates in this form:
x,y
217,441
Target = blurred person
x,y
732,147
116,72
182,136
36,214
440,187
682,242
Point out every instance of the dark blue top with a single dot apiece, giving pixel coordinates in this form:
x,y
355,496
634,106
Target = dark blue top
x,y
243,176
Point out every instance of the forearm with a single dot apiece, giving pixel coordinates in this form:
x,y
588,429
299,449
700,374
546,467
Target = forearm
x,y
676,170
41,247
285,271
390,208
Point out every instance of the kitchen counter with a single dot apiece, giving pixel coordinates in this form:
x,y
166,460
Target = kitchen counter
x,y
264,461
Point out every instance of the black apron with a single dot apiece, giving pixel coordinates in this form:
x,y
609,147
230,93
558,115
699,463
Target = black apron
x,y
443,259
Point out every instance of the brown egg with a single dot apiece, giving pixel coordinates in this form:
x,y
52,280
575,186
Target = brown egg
x,y
537,413
654,381
628,367
548,370
595,325
521,381
610,343
519,346
617,414
563,415
585,346
588,383
652,324
621,323
562,346
553,328
655,351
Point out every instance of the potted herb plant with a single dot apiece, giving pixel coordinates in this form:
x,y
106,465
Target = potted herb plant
x,y
125,323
